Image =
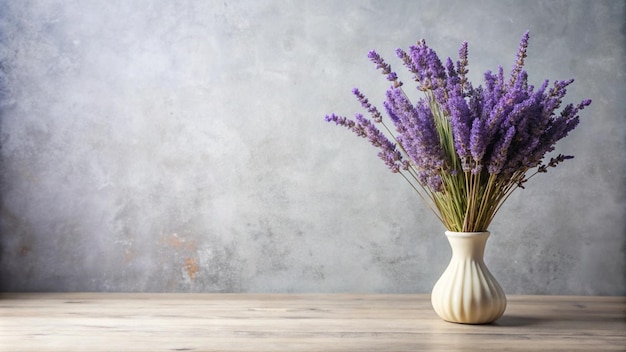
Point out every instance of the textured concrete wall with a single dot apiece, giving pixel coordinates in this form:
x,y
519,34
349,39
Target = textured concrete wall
x,y
180,146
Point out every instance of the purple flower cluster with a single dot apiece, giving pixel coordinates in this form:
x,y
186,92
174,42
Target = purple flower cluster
x,y
501,128
511,124
417,136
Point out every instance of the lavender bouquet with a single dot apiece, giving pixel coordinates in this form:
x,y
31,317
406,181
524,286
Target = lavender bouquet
x,y
465,149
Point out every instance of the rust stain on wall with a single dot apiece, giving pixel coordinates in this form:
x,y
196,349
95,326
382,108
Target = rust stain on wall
x,y
175,241
191,267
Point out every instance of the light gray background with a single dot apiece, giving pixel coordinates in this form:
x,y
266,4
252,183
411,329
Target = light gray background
x,y
180,146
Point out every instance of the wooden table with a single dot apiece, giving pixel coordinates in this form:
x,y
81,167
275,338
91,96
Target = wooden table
x,y
299,322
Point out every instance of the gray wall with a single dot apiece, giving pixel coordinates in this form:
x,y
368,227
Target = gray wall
x,y
180,146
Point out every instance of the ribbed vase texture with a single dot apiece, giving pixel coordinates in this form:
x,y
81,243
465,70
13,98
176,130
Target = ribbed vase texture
x,y
466,292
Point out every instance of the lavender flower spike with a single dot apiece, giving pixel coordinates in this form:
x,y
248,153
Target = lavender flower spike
x,y
362,127
386,68
521,56
388,152
461,123
478,141
376,116
462,66
340,121
499,156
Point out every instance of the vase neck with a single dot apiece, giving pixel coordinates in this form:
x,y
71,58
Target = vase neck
x,y
468,245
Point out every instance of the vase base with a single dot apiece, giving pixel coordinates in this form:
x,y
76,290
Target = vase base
x,y
471,322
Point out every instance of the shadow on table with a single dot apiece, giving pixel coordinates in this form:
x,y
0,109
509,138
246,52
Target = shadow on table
x,y
517,320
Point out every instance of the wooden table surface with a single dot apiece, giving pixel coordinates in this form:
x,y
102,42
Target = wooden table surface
x,y
299,322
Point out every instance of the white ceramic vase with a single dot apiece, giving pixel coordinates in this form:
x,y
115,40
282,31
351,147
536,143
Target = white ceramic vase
x,y
466,292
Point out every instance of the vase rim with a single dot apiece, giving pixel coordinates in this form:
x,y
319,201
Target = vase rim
x,y
467,234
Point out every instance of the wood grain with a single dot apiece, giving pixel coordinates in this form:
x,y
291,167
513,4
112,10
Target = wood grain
x,y
299,322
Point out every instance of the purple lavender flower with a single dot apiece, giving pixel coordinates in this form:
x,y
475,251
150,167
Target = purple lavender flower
x,y
341,121
362,127
558,128
388,152
461,122
379,61
500,153
493,91
432,180
454,83
462,70
418,131
478,144
385,67
427,141
376,115
521,56
425,64
390,108
526,116
408,63
553,100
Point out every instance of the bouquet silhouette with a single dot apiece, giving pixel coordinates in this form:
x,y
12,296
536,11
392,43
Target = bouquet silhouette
x,y
462,148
